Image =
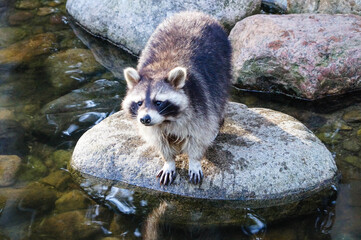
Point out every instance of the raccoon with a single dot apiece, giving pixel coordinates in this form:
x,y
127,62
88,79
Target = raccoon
x,y
178,93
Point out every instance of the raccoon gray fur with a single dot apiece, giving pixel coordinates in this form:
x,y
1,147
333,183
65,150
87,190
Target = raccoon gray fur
x,y
178,93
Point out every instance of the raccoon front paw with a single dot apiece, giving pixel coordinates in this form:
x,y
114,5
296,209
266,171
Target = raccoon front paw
x,y
167,174
195,173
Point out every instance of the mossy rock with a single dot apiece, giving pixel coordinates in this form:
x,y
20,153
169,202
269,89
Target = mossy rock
x,y
69,225
33,169
38,197
61,158
73,200
59,179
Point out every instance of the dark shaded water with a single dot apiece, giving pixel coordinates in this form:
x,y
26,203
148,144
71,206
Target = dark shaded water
x,y
53,88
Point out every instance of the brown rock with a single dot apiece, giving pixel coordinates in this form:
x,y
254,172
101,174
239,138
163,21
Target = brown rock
x,y
59,179
9,165
352,116
71,201
20,17
45,11
27,49
69,225
27,4
39,197
308,56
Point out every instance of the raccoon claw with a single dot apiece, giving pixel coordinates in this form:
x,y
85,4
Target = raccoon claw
x,y
195,177
166,177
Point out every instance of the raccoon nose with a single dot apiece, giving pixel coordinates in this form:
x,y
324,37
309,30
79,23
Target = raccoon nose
x,y
146,119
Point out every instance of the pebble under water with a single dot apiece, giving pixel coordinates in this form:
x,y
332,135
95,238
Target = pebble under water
x,y
57,81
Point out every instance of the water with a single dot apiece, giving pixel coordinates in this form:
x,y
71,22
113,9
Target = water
x,y
52,90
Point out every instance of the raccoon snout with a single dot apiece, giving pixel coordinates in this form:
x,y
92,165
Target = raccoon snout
x,y
146,119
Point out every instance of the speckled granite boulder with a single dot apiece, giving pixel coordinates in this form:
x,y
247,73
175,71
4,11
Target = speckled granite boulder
x,y
308,55
130,23
324,6
261,158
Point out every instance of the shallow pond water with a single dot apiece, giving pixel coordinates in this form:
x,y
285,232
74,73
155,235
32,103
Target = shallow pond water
x,y
57,81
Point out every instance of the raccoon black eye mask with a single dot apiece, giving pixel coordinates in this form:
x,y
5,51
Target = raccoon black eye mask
x,y
177,95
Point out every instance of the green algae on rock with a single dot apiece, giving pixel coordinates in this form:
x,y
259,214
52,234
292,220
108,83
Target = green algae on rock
x,y
80,108
261,158
27,49
38,197
73,200
68,225
70,68
10,35
59,179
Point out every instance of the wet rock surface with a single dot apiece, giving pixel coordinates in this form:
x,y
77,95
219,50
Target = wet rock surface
x,y
110,56
68,225
11,35
70,68
79,109
307,56
9,166
123,22
261,158
27,49
12,138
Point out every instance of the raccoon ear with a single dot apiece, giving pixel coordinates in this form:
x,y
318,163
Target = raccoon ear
x,y
131,76
177,77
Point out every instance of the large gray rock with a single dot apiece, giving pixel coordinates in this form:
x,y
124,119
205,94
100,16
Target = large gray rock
x,y
130,23
261,158
308,55
324,6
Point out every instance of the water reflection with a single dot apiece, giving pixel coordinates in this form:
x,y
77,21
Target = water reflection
x,y
111,57
121,199
154,215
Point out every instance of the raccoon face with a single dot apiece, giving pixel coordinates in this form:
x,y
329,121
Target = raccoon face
x,y
153,102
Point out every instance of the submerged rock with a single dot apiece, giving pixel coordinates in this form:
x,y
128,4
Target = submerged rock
x,y
73,200
19,17
12,138
260,158
110,56
69,225
82,108
353,116
27,4
26,50
45,11
70,68
10,35
59,180
130,23
307,56
38,197
9,166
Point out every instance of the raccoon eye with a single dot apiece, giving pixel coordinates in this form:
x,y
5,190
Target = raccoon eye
x,y
140,103
158,103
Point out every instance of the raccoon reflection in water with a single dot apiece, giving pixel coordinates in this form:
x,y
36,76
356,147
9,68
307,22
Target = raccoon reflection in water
x,y
177,94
